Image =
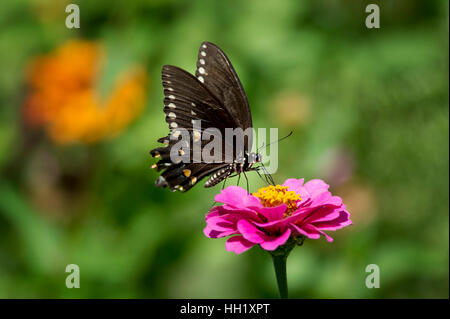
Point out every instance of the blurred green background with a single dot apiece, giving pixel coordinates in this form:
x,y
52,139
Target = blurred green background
x,y
369,110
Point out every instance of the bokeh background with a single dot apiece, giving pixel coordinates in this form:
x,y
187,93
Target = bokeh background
x,y
81,108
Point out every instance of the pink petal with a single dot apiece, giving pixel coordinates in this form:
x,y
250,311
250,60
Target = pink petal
x,y
220,223
294,184
311,214
326,198
237,197
329,238
316,186
212,233
310,232
306,230
224,224
254,235
272,213
250,232
298,215
226,210
319,213
215,211
273,243
340,221
238,244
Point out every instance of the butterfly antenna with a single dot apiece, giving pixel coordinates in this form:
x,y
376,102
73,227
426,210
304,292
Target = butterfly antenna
x,y
260,147
279,140
268,177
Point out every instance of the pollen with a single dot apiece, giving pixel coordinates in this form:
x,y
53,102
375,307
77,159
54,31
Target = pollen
x,y
272,196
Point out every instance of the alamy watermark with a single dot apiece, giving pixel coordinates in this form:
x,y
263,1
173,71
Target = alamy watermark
x,y
373,279
73,279
373,19
229,145
73,18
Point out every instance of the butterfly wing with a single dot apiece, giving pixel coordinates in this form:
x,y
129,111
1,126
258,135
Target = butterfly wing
x,y
187,100
216,72
216,97
183,176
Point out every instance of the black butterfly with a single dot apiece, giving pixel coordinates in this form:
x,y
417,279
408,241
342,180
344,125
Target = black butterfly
x,y
215,97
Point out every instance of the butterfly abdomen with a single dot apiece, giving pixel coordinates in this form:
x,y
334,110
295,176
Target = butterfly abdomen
x,y
219,176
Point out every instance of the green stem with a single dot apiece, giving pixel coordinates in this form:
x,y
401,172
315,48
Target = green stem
x,y
279,257
279,262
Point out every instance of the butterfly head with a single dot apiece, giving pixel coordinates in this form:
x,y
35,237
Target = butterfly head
x,y
254,158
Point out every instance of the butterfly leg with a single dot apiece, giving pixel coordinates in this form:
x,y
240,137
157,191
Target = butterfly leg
x,y
248,189
239,179
267,174
224,182
260,176
214,202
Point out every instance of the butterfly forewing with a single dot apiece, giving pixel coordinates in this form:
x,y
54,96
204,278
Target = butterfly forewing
x,y
216,72
186,100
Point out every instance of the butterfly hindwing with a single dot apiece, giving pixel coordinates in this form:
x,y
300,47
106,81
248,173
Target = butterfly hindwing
x,y
184,176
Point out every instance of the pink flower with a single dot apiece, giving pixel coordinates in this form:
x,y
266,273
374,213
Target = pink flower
x,y
274,214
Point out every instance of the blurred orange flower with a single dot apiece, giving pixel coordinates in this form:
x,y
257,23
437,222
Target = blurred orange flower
x,y
63,96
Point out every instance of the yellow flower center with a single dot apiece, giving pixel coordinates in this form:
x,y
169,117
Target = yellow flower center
x,y
272,196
